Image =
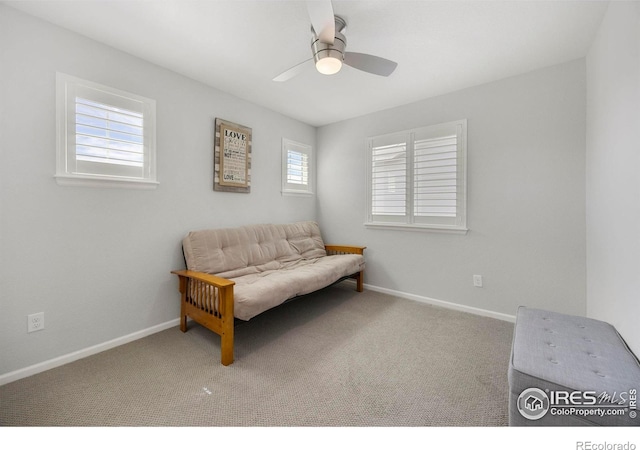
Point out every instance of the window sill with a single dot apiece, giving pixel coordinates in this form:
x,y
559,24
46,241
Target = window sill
x,y
417,227
104,182
297,193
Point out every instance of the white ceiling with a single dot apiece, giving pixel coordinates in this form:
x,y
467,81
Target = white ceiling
x,y
239,46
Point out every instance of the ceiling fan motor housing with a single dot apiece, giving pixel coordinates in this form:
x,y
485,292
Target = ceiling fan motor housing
x,y
323,50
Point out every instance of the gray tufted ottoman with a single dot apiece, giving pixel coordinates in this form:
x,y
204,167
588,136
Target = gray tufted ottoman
x,y
568,370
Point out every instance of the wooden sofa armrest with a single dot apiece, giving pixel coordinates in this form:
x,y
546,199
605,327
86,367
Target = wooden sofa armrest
x,y
207,278
338,249
349,249
208,300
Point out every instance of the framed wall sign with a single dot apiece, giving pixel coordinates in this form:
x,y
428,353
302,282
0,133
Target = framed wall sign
x,y
232,157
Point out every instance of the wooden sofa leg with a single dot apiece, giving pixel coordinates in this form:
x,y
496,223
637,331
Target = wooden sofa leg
x,y
360,281
227,324
183,322
183,301
226,345
226,348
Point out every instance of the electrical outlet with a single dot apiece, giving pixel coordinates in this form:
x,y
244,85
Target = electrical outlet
x,y
35,322
477,280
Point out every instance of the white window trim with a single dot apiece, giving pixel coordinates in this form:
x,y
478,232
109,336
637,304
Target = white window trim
x,y
291,189
409,225
417,227
65,176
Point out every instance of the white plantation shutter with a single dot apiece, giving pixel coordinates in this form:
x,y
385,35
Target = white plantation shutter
x,y
389,180
435,177
417,178
105,135
297,168
108,139
297,161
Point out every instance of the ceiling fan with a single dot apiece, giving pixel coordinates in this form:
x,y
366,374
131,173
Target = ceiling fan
x,y
328,46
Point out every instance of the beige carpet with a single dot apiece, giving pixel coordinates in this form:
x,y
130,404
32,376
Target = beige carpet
x,y
333,358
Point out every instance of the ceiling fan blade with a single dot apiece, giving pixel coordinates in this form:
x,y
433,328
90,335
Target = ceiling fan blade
x,y
322,20
370,63
292,72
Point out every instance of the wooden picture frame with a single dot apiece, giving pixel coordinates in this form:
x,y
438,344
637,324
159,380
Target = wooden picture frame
x,y
232,157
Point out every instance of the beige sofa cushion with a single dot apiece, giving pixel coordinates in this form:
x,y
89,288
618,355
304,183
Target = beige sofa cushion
x,y
221,250
257,292
269,263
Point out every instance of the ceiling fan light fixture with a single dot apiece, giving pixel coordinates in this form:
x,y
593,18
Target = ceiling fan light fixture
x,y
329,65
329,57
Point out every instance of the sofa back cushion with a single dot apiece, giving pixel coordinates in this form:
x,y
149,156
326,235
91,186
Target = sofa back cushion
x,y
222,250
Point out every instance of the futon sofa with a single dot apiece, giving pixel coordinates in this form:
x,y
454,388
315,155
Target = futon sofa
x,y
238,273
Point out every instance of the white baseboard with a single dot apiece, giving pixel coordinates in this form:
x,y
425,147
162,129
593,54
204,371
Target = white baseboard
x,y
442,303
65,359
70,357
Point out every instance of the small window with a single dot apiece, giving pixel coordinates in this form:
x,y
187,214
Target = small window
x,y
417,178
106,137
297,161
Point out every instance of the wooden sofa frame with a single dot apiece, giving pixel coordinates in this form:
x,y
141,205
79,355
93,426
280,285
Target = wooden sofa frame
x,y
208,300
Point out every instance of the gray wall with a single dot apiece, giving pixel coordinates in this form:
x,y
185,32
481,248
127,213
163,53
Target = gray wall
x,y
526,196
613,168
98,261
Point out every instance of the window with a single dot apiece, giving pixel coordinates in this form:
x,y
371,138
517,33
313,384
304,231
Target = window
x,y
297,161
106,137
417,178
